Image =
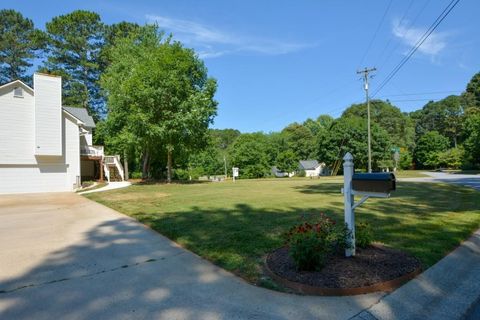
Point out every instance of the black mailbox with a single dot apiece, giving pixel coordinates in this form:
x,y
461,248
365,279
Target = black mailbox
x,y
373,182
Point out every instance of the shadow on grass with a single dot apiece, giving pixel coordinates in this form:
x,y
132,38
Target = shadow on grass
x,y
323,188
162,181
427,220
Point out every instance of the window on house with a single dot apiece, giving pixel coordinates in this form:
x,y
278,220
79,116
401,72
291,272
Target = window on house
x,y
18,92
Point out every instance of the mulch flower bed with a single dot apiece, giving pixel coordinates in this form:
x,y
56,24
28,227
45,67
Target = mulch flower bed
x,y
368,269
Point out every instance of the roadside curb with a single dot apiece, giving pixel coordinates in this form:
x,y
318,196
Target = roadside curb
x,y
447,290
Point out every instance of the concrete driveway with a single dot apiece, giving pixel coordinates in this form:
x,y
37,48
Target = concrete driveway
x,y
66,257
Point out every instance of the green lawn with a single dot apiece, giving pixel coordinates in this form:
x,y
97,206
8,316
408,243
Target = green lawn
x,y
236,224
411,174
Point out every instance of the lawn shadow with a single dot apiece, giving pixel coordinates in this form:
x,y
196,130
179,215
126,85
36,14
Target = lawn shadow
x,y
148,182
322,188
417,213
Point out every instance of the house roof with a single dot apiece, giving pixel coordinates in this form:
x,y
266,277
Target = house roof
x,y
309,164
17,83
82,115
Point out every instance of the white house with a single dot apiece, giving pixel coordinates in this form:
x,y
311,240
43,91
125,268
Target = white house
x,y
280,174
311,167
45,147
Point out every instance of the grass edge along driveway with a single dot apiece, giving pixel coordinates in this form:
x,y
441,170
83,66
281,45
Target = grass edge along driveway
x,y
235,224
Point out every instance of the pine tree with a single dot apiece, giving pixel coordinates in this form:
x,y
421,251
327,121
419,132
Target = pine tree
x,y
19,42
74,43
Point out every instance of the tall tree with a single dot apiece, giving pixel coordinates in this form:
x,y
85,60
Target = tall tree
x,y
223,138
19,41
287,161
112,34
472,140
159,97
472,92
300,140
445,116
390,118
349,134
74,43
249,154
428,148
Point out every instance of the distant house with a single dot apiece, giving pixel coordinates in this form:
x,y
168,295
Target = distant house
x,y
311,167
280,174
45,147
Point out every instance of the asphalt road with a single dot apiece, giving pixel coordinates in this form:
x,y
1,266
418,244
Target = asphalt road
x,y
467,180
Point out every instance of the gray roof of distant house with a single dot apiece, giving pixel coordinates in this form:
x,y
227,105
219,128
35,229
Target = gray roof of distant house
x,y
309,164
82,115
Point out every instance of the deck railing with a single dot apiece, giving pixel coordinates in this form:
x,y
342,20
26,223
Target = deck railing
x,y
92,151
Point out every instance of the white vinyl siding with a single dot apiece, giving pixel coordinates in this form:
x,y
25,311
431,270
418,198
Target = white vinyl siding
x,y
22,168
17,128
33,178
72,151
47,174
48,115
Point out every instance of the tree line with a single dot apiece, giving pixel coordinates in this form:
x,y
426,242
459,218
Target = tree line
x,y
442,134
154,102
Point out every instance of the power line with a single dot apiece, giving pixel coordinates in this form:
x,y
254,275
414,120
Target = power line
x,y
422,39
407,29
375,33
400,23
419,93
408,100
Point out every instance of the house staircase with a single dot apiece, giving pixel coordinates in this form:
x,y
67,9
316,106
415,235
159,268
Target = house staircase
x,y
113,168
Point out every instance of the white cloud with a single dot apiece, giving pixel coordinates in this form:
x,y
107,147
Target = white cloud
x,y
212,43
434,44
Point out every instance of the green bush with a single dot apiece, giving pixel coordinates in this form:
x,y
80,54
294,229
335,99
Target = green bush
x,y
363,235
136,175
181,174
311,244
301,174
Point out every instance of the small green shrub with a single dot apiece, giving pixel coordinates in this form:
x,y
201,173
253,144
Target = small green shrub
x,y
136,175
311,244
301,174
363,235
181,174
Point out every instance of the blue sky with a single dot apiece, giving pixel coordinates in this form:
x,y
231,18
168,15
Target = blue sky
x,y
277,62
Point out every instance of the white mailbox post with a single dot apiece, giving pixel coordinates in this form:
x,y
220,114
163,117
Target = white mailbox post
x,y
378,185
348,201
234,173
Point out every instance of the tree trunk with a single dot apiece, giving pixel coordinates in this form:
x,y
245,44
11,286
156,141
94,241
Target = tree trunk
x,y
145,165
169,165
125,165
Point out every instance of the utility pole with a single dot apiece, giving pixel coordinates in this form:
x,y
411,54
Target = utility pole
x,y
365,73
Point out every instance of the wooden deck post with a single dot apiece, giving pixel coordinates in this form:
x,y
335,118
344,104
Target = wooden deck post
x,y
101,169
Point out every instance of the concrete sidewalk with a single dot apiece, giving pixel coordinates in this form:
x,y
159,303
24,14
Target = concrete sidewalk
x,y
109,186
447,290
